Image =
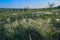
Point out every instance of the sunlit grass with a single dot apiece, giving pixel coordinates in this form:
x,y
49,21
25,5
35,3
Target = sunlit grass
x,y
26,27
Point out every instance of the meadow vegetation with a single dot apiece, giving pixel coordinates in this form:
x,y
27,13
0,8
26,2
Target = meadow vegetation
x,y
29,24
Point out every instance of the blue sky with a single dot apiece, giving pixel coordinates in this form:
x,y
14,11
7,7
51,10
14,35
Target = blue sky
x,y
25,3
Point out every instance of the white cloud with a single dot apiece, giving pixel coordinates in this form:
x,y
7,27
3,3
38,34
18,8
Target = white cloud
x,y
57,3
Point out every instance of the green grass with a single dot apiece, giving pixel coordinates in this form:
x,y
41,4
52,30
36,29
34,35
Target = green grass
x,y
24,26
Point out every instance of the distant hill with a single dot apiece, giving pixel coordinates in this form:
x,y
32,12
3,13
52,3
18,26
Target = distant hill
x,y
57,7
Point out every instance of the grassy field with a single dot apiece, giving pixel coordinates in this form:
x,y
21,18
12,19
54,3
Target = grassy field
x,y
29,25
